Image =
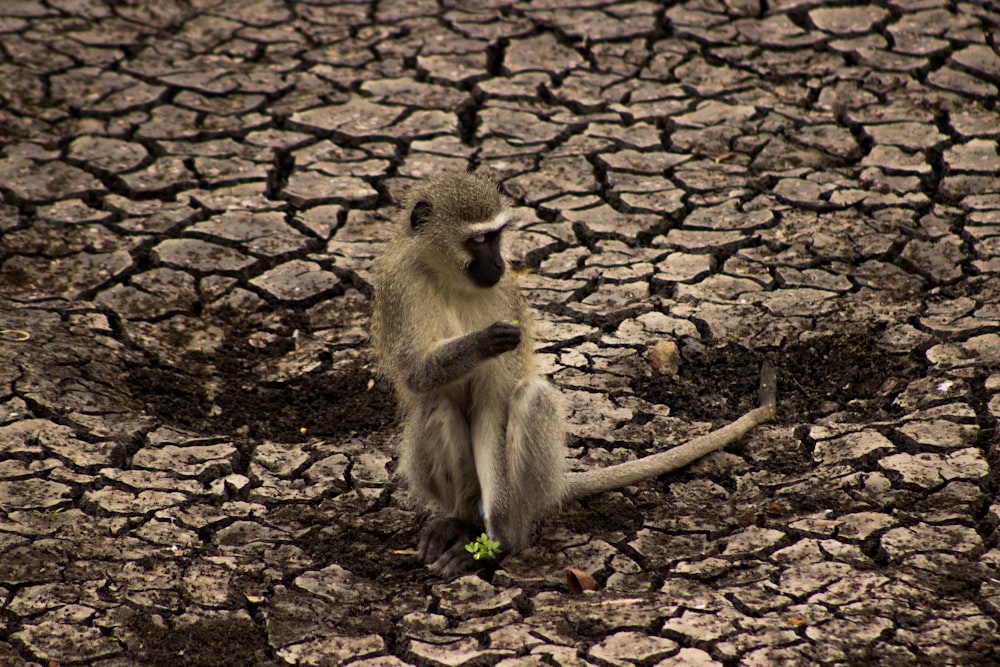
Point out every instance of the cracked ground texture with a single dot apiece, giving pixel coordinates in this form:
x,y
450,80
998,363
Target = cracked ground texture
x,y
196,462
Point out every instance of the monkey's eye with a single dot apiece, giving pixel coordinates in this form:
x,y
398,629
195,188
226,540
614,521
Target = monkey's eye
x,y
477,241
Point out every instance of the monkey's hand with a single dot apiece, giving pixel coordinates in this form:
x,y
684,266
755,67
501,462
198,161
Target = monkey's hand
x,y
453,358
500,337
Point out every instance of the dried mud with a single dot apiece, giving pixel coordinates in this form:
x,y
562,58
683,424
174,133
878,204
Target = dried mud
x,y
197,463
240,402
817,376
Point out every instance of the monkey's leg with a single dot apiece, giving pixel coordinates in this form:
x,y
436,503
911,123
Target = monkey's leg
x,y
526,478
437,464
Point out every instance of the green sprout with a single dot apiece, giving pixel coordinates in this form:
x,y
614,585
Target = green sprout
x,y
484,548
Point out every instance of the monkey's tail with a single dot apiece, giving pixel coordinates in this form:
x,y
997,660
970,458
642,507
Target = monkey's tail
x,y
582,484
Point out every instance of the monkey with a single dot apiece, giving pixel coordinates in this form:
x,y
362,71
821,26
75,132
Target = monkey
x,y
483,441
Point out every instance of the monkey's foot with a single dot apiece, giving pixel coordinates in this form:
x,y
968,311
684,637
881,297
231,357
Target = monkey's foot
x,y
442,546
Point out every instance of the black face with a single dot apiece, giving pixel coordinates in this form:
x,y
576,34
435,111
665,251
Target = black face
x,y
486,266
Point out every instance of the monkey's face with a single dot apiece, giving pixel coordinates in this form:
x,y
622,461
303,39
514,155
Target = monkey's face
x,y
460,219
486,264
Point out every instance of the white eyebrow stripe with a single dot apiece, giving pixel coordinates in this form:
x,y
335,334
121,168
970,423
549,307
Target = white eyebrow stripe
x,y
497,223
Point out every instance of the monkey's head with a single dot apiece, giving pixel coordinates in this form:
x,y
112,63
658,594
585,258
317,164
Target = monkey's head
x,y
461,216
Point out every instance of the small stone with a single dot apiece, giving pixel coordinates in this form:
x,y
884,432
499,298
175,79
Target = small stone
x,y
243,533
643,163
152,294
312,188
71,212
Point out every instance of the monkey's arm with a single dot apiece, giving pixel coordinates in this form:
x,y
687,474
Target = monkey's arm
x,y
454,358
582,484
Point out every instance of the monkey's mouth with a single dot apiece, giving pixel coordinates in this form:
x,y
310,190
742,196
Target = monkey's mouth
x,y
487,278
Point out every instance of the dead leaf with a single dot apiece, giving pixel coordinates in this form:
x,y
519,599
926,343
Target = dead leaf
x,y
797,621
580,581
776,508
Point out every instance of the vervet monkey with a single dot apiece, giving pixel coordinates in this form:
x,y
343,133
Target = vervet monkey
x,y
483,441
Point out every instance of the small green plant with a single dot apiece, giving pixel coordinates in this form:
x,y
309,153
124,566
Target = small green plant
x,y
484,548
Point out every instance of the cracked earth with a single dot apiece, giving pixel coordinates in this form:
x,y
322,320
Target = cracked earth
x,y
196,462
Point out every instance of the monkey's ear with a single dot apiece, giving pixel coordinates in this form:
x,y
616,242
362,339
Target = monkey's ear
x,y
420,214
